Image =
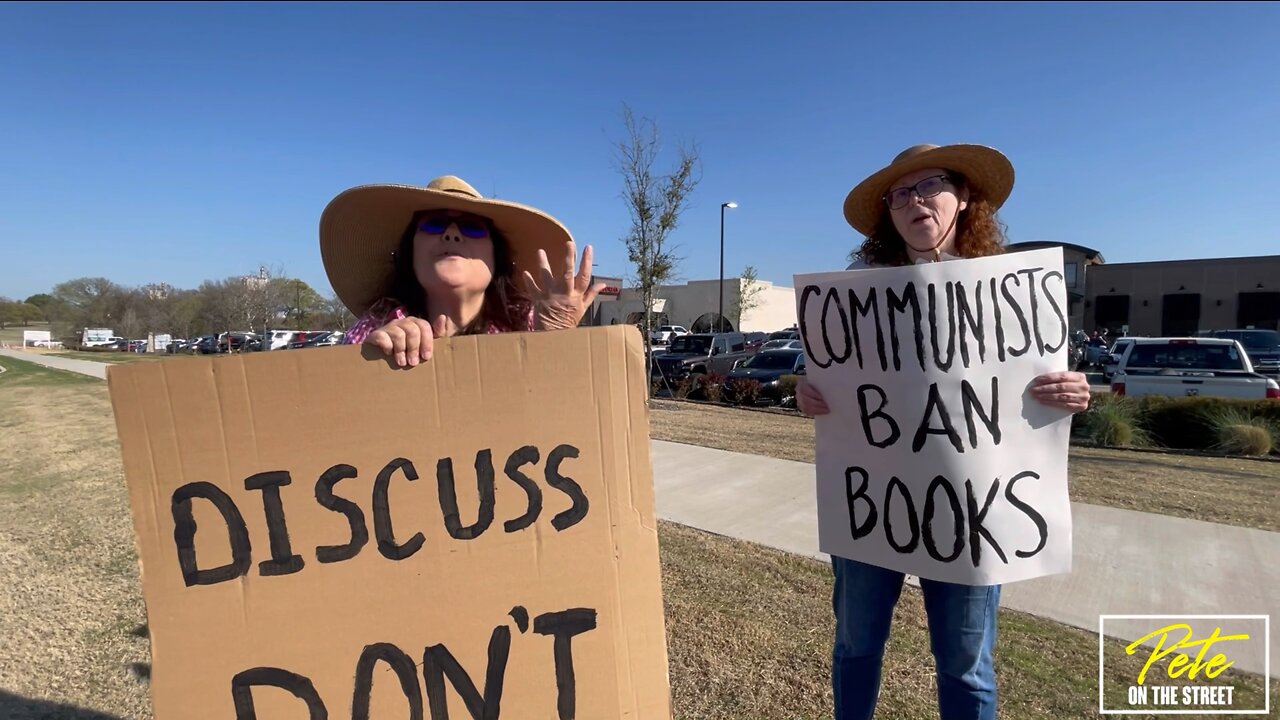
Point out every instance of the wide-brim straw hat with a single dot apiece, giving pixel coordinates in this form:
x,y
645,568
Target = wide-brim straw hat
x,y
360,231
988,173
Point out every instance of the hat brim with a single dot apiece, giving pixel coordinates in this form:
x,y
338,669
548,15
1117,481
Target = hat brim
x,y
988,172
360,230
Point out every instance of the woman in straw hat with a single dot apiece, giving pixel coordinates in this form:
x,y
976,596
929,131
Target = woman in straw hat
x,y
414,264
930,204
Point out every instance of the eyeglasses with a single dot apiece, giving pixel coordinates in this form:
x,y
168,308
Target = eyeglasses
x,y
926,188
471,226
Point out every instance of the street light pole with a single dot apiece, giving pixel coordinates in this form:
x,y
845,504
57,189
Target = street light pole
x,y
720,313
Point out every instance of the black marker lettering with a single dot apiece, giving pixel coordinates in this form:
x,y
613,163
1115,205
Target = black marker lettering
x,y
956,511
977,530
911,545
355,516
438,663
300,687
382,529
1017,310
857,309
447,487
283,561
526,455
404,668
936,406
804,326
969,323
578,511
1041,526
972,405
899,304
1035,306
878,413
184,534
563,626
855,530
834,296
941,364
1057,310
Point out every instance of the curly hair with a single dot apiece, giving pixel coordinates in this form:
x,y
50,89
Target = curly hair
x,y
979,233
505,304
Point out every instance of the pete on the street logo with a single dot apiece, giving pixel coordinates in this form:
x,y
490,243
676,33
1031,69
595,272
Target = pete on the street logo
x,y
1194,650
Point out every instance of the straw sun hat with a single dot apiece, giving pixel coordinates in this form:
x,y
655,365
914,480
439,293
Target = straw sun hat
x,y
987,171
360,231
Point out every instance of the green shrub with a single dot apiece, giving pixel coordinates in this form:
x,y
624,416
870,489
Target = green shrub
x,y
1240,433
1191,423
787,390
1114,422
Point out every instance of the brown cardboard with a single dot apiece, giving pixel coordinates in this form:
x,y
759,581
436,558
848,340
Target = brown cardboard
x,y
222,420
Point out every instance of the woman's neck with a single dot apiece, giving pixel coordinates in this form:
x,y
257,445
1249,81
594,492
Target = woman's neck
x,y
946,247
458,310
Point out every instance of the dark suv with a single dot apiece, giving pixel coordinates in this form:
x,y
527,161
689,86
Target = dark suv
x,y
702,353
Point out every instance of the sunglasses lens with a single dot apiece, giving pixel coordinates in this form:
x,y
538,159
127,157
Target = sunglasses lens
x,y
473,229
437,225
898,198
434,225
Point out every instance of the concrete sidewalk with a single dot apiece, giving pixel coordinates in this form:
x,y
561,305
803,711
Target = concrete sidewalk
x,y
84,367
1124,562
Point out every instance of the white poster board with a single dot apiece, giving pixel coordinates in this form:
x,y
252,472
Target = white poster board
x,y
33,337
935,460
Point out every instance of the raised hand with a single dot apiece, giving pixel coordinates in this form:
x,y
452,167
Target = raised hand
x,y
562,298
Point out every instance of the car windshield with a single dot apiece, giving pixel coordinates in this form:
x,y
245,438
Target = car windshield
x,y
771,361
686,343
1185,356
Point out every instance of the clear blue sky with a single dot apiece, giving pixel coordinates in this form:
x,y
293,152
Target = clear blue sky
x,y
179,143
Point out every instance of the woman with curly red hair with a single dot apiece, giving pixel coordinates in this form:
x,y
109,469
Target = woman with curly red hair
x,y
929,205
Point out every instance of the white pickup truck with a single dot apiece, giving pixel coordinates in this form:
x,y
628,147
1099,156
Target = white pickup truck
x,y
1190,367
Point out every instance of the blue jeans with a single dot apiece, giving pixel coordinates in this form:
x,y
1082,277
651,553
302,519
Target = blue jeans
x,y
962,634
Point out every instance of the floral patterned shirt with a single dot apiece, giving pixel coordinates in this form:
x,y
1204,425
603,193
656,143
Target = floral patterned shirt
x,y
388,309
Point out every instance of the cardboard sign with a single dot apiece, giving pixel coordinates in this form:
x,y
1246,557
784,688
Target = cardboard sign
x,y
323,535
935,460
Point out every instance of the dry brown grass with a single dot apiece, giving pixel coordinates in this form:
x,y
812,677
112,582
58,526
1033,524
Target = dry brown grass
x,y
749,628
1232,491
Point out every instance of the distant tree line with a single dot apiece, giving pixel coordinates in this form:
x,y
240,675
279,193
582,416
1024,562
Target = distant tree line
x,y
239,303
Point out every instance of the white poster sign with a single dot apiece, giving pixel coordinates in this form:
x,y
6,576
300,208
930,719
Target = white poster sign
x,y
935,460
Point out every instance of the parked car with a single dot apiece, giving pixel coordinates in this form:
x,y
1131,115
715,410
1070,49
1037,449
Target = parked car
x,y
1112,359
277,339
666,333
1190,367
238,342
766,368
789,334
206,345
783,344
316,339
702,353
1263,347
756,340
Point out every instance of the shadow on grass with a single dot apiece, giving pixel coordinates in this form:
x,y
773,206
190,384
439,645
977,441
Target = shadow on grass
x,y
14,707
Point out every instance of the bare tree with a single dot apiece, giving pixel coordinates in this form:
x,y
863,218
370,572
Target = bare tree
x,y
748,295
654,202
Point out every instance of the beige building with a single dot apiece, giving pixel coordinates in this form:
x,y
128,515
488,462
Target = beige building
x,y
695,305
1183,297
1170,297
